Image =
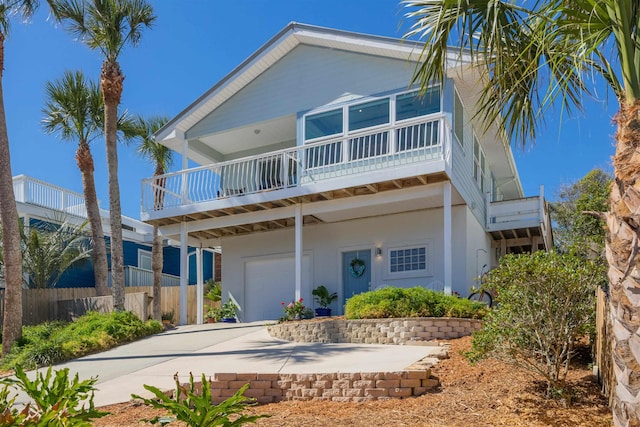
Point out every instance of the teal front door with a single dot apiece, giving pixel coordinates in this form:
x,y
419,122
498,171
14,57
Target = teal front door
x,y
356,272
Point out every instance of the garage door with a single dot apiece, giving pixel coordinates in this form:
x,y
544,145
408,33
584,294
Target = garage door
x,y
268,283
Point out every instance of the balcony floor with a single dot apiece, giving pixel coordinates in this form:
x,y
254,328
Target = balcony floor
x,y
243,204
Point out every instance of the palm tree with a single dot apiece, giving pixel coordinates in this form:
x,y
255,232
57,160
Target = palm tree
x,y
51,249
162,158
12,320
108,26
534,58
74,111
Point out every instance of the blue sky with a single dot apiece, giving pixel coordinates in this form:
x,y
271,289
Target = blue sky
x,y
193,44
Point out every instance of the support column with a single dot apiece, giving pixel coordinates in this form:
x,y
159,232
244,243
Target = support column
x,y
298,221
199,287
184,271
185,166
447,245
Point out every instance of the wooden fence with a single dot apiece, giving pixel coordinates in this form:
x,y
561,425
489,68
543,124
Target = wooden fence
x,y
604,362
41,305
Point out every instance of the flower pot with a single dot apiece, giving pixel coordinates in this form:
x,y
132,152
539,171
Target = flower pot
x,y
229,320
211,320
323,312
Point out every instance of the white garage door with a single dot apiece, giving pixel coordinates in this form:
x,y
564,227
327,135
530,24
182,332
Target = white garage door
x,y
268,283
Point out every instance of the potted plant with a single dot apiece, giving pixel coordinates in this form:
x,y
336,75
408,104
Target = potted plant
x,y
212,315
324,299
167,318
228,312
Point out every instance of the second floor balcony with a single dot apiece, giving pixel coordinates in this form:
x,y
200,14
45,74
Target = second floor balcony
x,y
385,154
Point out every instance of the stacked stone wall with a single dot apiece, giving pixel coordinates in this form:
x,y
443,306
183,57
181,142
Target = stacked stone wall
x,y
340,387
412,331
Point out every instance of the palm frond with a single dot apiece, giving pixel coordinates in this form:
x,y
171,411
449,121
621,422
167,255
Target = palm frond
x,y
160,155
106,25
73,108
531,58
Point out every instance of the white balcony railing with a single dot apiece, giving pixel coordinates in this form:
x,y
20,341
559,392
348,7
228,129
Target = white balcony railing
x,y
521,213
134,276
40,193
411,142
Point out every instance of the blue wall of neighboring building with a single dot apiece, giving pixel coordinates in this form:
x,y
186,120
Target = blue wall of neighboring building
x,y
80,275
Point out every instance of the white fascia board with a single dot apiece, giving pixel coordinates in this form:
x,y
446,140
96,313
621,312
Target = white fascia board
x,y
194,242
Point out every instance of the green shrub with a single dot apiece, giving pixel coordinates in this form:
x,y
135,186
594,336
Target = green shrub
x,y
195,408
54,342
57,400
410,302
545,302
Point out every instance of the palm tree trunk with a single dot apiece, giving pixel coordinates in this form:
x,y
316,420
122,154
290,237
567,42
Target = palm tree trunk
x,y
111,79
12,321
84,159
623,223
156,266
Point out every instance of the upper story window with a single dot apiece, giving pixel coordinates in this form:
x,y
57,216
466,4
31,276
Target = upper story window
x,y
323,124
458,118
412,104
369,114
479,164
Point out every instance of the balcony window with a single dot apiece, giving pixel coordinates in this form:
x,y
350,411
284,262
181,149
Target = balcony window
x,y
369,114
323,124
410,105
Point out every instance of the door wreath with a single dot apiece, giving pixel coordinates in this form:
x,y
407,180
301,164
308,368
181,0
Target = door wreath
x,y
357,267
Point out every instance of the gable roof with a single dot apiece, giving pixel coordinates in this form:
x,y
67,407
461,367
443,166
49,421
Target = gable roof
x,y
280,45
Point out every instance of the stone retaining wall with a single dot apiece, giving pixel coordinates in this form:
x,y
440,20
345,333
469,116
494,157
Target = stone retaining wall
x,y
342,387
413,331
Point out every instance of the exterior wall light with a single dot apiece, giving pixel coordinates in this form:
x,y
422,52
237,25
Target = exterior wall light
x,y
378,252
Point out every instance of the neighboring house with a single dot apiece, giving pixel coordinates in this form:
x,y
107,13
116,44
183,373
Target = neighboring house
x,y
39,201
319,165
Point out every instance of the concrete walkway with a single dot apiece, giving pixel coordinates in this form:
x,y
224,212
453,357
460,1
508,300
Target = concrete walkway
x,y
228,348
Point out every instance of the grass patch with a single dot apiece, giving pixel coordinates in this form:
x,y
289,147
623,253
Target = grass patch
x,y
54,342
411,302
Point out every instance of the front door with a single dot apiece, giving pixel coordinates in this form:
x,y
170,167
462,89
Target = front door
x,y
356,272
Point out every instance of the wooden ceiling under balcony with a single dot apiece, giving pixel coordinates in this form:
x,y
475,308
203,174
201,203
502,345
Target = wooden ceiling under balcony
x,y
262,226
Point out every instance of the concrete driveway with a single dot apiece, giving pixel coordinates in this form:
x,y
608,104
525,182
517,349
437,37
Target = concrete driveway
x,y
228,348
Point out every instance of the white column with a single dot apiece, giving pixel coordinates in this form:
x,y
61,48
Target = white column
x,y
298,221
184,272
447,246
200,287
185,166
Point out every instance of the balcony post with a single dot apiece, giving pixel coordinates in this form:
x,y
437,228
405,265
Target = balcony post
x,y
447,245
185,166
298,257
184,271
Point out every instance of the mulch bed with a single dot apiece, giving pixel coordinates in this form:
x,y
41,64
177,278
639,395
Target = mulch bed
x,y
489,393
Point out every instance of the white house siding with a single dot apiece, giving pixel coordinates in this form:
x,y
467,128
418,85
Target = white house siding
x,y
463,163
478,249
324,243
306,78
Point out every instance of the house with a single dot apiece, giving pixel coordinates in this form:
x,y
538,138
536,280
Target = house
x,y
39,201
319,165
